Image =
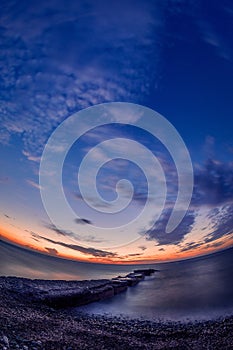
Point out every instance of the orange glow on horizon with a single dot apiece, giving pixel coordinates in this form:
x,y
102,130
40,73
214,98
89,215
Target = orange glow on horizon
x,y
150,259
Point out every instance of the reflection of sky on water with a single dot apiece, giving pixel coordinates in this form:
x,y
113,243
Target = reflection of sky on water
x,y
20,262
197,288
200,288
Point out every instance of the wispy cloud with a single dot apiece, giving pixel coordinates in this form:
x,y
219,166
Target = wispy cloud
x,y
55,58
59,231
190,246
213,35
10,218
31,157
87,251
142,247
33,184
73,235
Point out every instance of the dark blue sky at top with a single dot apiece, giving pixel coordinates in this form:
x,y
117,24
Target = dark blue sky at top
x,y
58,57
195,87
185,72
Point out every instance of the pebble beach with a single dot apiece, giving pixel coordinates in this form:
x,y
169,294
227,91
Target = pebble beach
x,y
29,324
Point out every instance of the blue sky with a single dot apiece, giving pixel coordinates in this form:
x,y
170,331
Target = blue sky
x,y
174,57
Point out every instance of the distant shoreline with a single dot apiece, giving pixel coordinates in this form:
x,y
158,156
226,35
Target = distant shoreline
x,y
27,323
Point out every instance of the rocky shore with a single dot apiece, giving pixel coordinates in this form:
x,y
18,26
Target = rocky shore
x,y
32,318
60,294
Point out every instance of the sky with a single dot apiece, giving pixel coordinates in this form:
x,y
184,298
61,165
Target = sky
x,y
59,58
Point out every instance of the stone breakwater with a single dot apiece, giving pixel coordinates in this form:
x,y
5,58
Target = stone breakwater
x,y
61,294
28,325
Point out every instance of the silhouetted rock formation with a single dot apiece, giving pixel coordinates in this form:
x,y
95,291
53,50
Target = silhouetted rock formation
x,y
61,294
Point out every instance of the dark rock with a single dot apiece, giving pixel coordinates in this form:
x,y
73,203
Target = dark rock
x,y
62,294
119,286
146,272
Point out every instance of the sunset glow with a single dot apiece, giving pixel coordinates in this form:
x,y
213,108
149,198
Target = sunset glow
x,y
144,57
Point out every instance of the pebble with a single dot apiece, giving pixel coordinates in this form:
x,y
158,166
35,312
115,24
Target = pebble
x,y
27,326
5,340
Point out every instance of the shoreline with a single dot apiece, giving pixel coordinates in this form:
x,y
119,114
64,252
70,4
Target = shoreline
x,y
60,294
29,324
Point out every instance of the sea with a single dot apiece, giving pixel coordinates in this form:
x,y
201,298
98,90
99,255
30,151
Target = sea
x,y
190,290
195,289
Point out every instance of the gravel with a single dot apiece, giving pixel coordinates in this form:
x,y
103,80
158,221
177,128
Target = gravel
x,y
26,325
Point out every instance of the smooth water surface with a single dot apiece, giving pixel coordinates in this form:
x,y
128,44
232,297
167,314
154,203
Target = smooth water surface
x,y
199,288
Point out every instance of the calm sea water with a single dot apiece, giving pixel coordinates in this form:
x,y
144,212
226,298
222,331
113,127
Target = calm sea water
x,y
195,289
192,289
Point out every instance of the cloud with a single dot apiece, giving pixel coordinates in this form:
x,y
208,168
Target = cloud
x,y
31,157
212,33
221,222
92,239
190,246
33,184
33,234
87,251
67,233
83,221
215,245
49,71
157,232
100,134
135,254
59,231
213,183
9,217
142,247
52,251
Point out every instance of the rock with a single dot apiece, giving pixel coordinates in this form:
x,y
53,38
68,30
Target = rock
x,y
119,286
135,278
146,272
5,340
62,294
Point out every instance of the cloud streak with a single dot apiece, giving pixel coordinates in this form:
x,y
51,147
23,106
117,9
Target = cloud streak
x,y
73,235
87,251
83,221
33,184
